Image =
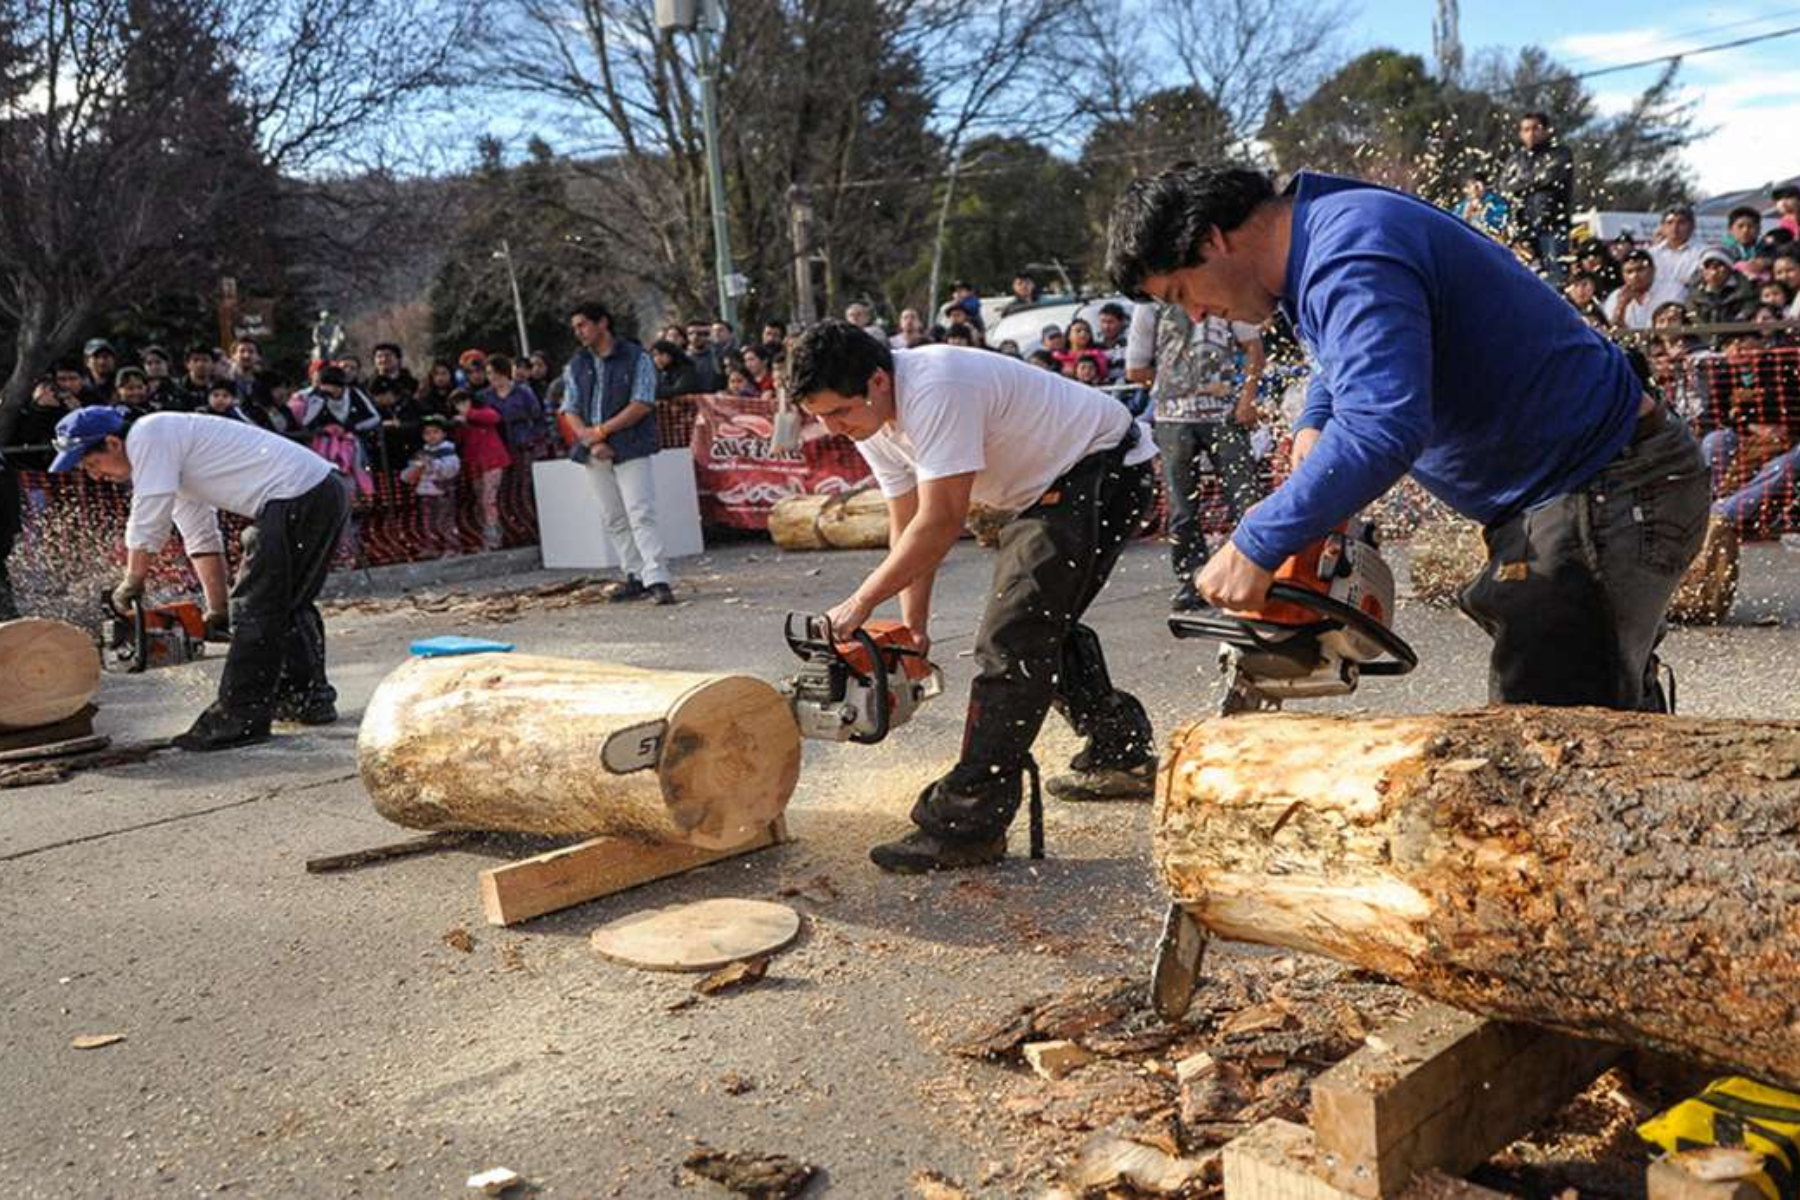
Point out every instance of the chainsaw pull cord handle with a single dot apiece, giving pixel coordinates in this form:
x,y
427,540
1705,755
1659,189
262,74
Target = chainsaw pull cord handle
x,y
878,674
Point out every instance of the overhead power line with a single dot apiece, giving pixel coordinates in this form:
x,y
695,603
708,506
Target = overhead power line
x,y
1751,40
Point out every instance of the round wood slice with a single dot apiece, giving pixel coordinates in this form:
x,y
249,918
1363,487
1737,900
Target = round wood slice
x,y
698,937
49,671
731,736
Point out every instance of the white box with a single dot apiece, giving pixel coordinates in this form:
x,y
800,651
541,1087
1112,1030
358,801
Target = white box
x,y
570,531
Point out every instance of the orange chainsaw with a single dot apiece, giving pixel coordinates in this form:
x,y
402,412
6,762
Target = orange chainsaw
x,y
855,689
1326,625
166,635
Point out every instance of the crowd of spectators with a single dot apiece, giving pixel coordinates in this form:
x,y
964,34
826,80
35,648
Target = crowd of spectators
x,y
492,414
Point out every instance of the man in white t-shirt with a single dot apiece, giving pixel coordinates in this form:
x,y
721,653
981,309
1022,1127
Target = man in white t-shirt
x,y
1205,409
947,431
1643,292
1676,252
184,468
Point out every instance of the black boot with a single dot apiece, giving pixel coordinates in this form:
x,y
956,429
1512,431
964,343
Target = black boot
x,y
919,852
1089,780
318,707
628,588
1186,598
218,730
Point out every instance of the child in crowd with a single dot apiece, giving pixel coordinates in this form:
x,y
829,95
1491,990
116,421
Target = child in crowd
x,y
484,457
738,381
432,474
1080,345
1088,371
222,401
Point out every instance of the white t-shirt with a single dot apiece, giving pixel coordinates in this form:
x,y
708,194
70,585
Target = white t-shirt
x,y
187,466
1637,313
1016,426
1676,269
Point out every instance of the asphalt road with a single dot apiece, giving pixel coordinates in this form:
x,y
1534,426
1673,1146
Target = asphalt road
x,y
288,1034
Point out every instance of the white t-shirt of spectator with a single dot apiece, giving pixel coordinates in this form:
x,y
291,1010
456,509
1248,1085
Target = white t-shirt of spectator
x,y
187,466
1677,268
1015,426
1638,313
1193,361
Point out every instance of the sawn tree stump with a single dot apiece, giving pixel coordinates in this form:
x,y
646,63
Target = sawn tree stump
x,y
513,741
1615,875
49,671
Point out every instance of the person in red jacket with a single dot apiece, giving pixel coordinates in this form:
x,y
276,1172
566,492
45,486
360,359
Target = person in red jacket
x,y
484,457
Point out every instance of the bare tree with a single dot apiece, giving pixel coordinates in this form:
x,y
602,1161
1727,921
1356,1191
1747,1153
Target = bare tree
x,y
863,103
138,138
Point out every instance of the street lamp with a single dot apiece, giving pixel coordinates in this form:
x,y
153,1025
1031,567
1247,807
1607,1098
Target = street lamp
x,y
705,21
504,254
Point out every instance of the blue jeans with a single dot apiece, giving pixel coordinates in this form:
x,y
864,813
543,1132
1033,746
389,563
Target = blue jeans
x,y
1765,503
1182,444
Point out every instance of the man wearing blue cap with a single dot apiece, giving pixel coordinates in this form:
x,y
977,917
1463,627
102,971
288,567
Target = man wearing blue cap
x,y
184,468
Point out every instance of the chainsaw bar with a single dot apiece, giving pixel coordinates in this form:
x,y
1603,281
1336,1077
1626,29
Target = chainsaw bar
x,y
634,748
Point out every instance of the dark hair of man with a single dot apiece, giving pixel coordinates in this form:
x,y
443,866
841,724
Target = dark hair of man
x,y
125,373
669,350
244,341
774,323
1679,210
197,351
1743,210
499,364
1587,277
1161,221
393,347
1114,309
223,387
1641,256
835,356
333,376
1042,358
1786,191
1542,118
593,310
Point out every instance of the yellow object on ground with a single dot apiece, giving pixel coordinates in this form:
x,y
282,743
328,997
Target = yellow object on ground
x,y
1738,1112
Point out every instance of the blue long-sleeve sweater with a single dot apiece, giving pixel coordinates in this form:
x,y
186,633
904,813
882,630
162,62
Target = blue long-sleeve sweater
x,y
1435,352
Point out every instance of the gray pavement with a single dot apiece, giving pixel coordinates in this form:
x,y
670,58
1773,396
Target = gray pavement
x,y
294,1035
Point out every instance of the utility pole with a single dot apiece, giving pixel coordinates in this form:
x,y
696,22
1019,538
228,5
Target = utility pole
x,y
504,253
800,220
704,21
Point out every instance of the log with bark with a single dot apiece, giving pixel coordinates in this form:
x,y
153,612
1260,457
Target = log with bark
x,y
512,742
1614,875
49,671
853,520
1708,589
1444,553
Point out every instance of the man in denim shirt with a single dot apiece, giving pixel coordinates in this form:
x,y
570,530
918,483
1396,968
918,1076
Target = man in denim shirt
x,y
610,400
1438,355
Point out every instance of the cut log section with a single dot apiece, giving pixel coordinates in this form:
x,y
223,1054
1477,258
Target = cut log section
x,y
1613,875
852,520
49,671
1709,587
512,742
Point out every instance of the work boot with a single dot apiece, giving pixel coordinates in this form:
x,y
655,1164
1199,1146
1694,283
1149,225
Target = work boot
x,y
1088,780
919,852
310,709
628,588
1186,598
661,593
218,730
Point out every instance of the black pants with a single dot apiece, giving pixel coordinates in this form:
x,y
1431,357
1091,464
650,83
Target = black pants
x,y
277,634
1575,590
1034,652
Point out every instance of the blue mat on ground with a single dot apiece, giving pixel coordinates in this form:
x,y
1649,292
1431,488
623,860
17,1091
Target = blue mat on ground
x,y
444,647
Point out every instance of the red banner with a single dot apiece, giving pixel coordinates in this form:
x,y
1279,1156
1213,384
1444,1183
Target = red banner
x,y
740,473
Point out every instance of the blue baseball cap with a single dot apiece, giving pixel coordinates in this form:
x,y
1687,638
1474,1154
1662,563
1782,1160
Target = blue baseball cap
x,y
82,430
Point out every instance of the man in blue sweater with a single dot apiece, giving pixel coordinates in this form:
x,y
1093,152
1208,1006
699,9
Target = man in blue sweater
x,y
1435,352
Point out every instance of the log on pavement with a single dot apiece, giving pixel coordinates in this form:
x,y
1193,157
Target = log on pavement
x,y
853,520
512,742
49,671
1613,875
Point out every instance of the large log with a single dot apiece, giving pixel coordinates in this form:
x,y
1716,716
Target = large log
x,y
853,520
1613,875
49,671
512,742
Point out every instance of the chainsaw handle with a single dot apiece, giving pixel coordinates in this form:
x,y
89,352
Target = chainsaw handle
x,y
878,669
1221,625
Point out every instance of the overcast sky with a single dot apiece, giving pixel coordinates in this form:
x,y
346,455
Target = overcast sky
x,y
1750,95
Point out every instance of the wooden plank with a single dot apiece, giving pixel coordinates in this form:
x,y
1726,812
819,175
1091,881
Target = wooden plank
x,y
429,844
1443,1090
1275,1161
598,867
1278,1160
